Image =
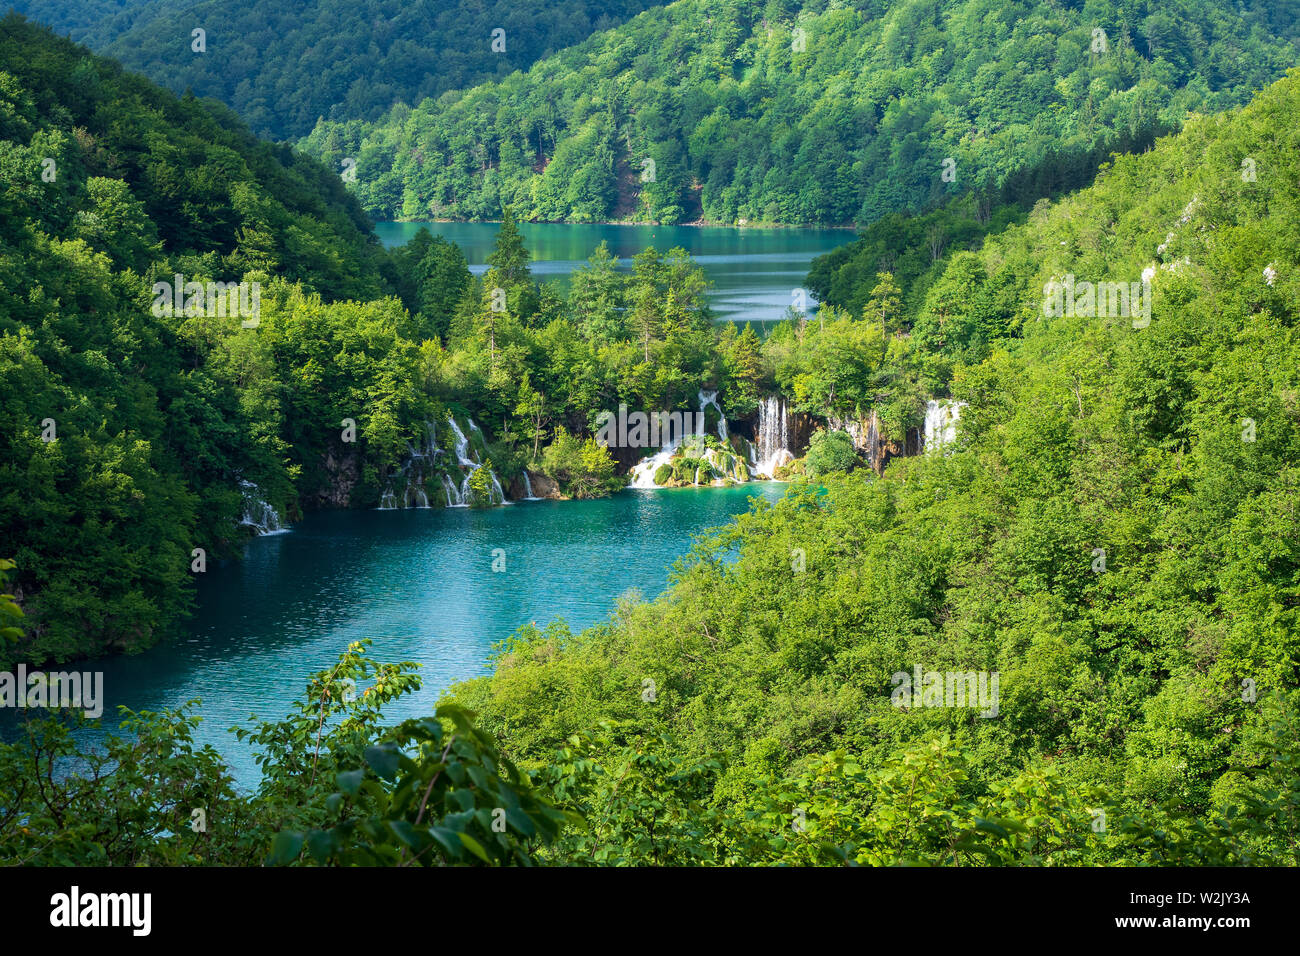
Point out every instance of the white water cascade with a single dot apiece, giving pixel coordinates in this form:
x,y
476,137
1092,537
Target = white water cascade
x,y
458,497
941,423
711,398
771,447
419,468
413,474
643,472
462,443
528,489
259,515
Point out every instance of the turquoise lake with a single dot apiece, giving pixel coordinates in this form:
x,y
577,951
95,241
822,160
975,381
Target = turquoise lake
x,y
754,271
420,584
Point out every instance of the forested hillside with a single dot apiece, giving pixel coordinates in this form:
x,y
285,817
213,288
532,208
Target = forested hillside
x,y
125,433
1114,534
135,434
815,113
282,66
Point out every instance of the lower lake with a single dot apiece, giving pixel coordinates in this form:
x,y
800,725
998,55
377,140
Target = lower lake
x,y
419,584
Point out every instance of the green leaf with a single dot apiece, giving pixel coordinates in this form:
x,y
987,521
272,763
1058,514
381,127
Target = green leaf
x,y
474,847
321,845
384,760
349,781
285,847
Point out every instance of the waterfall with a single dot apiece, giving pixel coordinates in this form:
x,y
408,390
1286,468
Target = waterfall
x,y
462,443
772,437
711,398
643,472
259,515
458,497
409,485
725,464
427,447
452,493
528,488
873,442
854,428
941,423
412,474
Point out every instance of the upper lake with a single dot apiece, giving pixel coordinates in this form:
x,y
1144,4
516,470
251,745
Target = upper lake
x,y
754,271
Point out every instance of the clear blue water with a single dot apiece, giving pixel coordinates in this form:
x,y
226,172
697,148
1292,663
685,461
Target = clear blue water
x,y
420,584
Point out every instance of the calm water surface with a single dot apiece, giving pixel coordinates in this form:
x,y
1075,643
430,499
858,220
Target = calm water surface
x,y
754,271
420,584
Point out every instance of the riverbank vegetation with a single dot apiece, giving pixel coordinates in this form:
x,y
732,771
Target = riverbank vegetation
x,y
1113,535
141,440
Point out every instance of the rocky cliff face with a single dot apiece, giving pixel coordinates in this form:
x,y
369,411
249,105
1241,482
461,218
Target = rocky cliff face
x,y
542,487
342,471
871,442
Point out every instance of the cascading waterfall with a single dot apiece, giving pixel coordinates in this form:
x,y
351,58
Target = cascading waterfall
x,y
941,423
757,459
643,472
420,465
771,449
854,428
873,442
459,497
413,474
450,490
259,515
711,398
462,443
528,489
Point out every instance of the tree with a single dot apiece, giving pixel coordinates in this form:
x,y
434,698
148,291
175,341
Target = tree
x,y
830,451
596,297
531,407
884,306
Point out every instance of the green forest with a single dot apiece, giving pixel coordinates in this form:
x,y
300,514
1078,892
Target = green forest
x,y
1113,532
816,113
180,409
284,66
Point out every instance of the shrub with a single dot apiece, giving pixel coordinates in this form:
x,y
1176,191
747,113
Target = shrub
x,y
830,452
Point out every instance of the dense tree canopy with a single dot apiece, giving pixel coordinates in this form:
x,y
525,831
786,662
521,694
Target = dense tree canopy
x,y
1114,534
1110,543
130,432
282,66
814,113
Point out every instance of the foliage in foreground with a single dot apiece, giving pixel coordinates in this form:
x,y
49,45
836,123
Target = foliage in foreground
x,y
342,789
